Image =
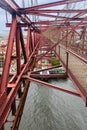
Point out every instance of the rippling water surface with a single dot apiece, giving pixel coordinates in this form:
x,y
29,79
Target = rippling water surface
x,y
49,109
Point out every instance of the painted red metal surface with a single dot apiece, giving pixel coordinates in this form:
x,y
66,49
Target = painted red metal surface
x,y
49,68
5,73
51,4
56,11
14,86
48,76
51,16
9,90
51,85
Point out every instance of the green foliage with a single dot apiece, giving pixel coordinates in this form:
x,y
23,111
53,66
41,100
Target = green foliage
x,y
55,62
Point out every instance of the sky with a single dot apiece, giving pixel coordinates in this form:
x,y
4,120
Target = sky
x,y
27,3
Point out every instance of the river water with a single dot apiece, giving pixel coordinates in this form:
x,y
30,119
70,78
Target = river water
x,y
49,109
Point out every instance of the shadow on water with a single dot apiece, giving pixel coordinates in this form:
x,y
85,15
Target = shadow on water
x,y
49,109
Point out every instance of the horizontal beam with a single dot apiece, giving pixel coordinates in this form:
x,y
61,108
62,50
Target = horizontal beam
x,y
57,22
50,5
47,15
49,68
55,11
47,24
55,16
48,76
18,25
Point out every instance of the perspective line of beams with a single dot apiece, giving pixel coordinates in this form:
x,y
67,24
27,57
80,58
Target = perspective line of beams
x,y
53,11
50,5
55,16
12,7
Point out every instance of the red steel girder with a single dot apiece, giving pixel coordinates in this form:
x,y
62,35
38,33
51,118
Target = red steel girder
x,y
28,49
49,15
48,76
18,24
65,19
12,7
9,6
49,68
5,72
22,45
46,24
50,5
75,27
4,109
18,50
18,60
57,22
56,11
51,85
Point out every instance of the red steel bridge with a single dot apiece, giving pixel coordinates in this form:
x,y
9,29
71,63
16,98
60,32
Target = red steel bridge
x,y
63,34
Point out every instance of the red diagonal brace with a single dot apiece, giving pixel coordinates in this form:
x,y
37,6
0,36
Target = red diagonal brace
x,y
6,67
51,85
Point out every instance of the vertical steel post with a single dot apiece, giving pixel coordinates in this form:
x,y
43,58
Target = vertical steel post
x,y
18,56
66,36
59,53
23,46
28,42
33,39
31,45
7,63
18,50
67,60
32,35
83,39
